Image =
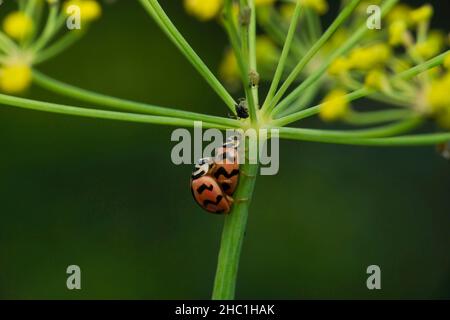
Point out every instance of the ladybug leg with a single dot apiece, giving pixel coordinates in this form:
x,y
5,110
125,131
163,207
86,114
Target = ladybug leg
x,y
229,199
242,200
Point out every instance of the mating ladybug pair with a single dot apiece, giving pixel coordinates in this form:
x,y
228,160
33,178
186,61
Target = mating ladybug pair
x,y
214,180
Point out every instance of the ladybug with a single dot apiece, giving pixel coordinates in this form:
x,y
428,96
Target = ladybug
x,y
226,166
214,180
207,191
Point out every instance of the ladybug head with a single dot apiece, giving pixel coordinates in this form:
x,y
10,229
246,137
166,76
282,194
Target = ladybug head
x,y
201,168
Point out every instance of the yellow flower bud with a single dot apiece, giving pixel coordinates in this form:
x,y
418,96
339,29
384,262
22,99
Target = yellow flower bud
x,y
376,79
203,10
400,12
320,6
90,10
422,14
15,78
287,11
335,105
438,96
339,66
228,69
367,58
447,61
396,32
18,25
431,46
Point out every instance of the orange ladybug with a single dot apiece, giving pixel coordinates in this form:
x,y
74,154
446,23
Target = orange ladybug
x,y
226,166
207,191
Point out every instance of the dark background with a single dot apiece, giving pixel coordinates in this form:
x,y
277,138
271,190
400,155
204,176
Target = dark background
x,y
105,195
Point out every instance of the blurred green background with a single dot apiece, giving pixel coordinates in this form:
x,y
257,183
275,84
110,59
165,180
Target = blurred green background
x,y
105,195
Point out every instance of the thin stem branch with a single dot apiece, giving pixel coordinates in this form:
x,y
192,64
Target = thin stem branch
x,y
341,18
403,141
163,21
376,117
122,104
316,75
363,92
100,114
284,54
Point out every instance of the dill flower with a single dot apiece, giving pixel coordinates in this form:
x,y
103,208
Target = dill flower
x,y
15,77
320,6
397,32
370,57
376,79
335,105
340,66
203,10
447,61
90,9
437,94
400,12
431,46
228,69
422,14
18,25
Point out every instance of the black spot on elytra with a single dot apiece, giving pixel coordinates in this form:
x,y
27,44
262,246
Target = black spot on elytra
x,y
222,172
204,187
208,202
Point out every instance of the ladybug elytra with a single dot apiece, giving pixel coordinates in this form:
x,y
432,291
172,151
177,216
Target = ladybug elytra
x,y
214,180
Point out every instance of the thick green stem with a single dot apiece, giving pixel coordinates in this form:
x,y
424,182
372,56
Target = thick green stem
x,y
233,236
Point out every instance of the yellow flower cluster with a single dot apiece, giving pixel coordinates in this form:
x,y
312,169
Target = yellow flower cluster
x,y
438,97
334,106
15,77
205,10
90,10
18,25
362,58
15,71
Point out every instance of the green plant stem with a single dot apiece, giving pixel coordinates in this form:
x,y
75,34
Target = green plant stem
x,y
246,59
59,46
403,141
252,57
50,28
163,21
124,105
101,114
375,117
284,54
233,236
341,18
364,92
316,75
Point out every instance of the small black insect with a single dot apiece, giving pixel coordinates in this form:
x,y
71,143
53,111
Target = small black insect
x,y
242,109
